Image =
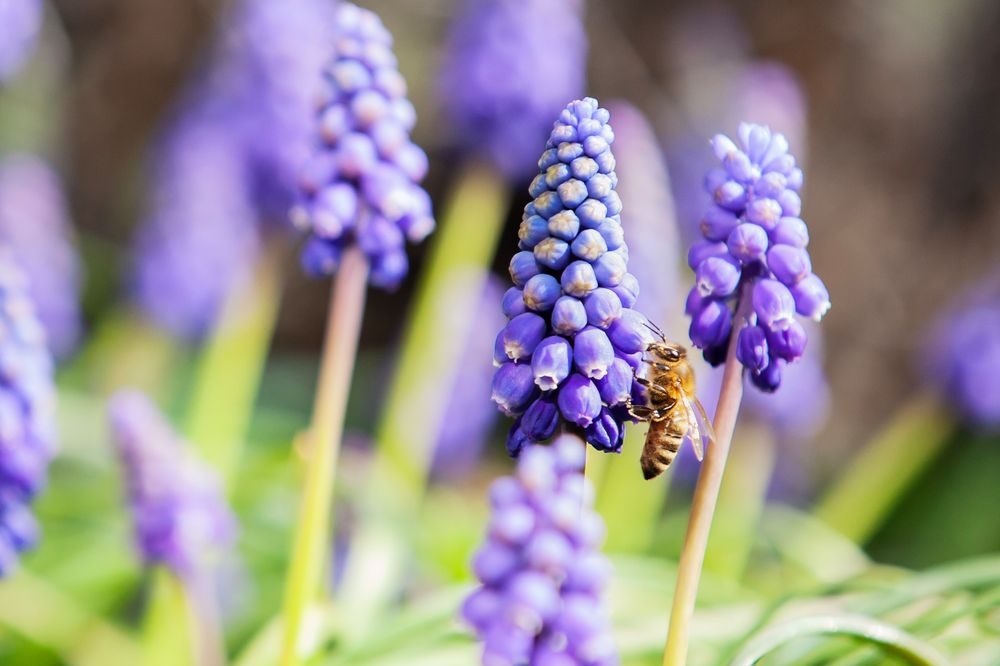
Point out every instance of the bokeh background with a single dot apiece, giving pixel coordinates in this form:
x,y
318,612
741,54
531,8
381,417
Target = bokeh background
x,y
900,101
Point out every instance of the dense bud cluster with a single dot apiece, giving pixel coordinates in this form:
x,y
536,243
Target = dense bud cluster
x,y
542,576
754,247
362,185
568,351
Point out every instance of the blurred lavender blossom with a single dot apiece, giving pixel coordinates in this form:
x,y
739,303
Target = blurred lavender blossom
x,y
28,435
509,68
21,21
35,225
542,576
179,513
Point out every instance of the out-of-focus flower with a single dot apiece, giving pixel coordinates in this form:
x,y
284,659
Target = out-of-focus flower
x,y
754,247
509,69
179,514
201,234
35,225
21,21
962,357
469,419
27,412
541,573
362,185
271,65
644,188
572,339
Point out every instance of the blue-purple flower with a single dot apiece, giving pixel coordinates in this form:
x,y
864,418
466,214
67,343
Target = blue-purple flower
x,y
179,513
28,436
362,185
35,225
542,577
566,353
509,69
962,357
200,236
21,21
754,247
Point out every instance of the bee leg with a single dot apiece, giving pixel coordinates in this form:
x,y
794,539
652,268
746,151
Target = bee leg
x,y
641,412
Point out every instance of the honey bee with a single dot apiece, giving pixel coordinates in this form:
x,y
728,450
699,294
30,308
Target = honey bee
x,y
671,408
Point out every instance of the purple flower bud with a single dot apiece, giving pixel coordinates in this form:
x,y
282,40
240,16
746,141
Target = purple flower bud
x,y
616,384
627,290
612,234
523,267
592,214
514,388
718,223
610,268
764,212
553,253
494,561
791,204
790,231
769,378
522,334
629,333
747,242
589,245
773,304
593,352
703,250
751,349
717,276
532,231
517,439
551,362
712,325
564,225
789,264
513,303
730,195
579,401
605,433
811,297
579,279
788,343
603,307
568,315
540,419
541,292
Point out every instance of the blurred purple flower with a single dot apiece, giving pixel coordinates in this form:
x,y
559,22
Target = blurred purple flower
x,y
200,236
570,310
468,418
362,185
179,513
21,21
35,225
754,247
645,191
962,356
509,68
27,412
542,576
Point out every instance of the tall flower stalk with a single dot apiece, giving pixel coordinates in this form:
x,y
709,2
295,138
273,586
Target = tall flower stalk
x,y
753,275
361,201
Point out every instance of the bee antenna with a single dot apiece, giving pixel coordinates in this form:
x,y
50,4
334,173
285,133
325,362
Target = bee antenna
x,y
655,329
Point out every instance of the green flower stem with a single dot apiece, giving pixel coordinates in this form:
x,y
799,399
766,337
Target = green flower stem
x,y
741,503
47,616
631,507
868,629
439,324
312,539
706,496
863,497
230,368
168,632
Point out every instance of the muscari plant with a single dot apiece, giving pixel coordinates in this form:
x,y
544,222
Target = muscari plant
x,y
22,21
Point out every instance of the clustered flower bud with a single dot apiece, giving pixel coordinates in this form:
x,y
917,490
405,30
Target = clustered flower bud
x,y
497,52
362,185
572,338
36,226
541,573
179,514
21,21
200,235
962,357
27,413
754,247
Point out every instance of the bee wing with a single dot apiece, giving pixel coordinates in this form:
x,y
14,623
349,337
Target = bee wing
x,y
692,427
702,432
707,429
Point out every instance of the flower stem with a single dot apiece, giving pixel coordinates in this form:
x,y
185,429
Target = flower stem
x,y
706,496
312,539
205,627
860,500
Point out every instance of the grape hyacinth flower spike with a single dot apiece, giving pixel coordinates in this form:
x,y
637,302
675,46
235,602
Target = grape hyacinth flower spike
x,y
754,247
21,21
360,203
752,274
542,577
27,411
567,353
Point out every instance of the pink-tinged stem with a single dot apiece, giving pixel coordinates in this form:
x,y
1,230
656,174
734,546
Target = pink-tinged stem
x,y
706,496
208,645
312,540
